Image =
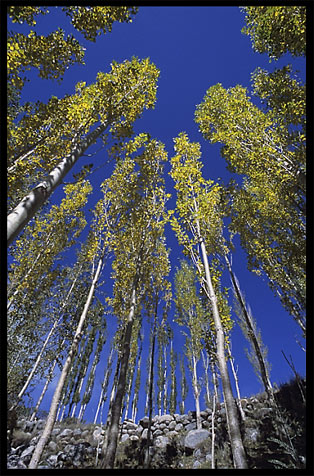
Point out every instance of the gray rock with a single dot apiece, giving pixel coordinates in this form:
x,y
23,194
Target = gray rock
x,y
124,437
21,465
144,422
165,431
161,441
66,432
28,451
139,429
77,432
98,434
172,433
208,457
157,433
204,414
192,415
134,438
251,434
55,431
172,425
52,460
130,425
165,418
206,424
195,437
178,427
196,464
52,445
190,426
162,426
144,434
29,426
85,433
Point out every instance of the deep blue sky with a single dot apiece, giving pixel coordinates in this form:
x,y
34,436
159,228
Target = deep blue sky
x,y
194,48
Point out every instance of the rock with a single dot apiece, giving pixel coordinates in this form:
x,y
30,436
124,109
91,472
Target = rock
x,y
195,437
29,426
52,446
98,434
251,434
196,464
162,426
53,460
157,433
165,418
77,432
206,424
172,425
190,426
21,465
40,424
130,425
172,433
139,429
165,431
55,431
204,414
192,415
144,422
85,433
124,437
134,438
66,432
178,427
161,441
144,434
208,458
28,451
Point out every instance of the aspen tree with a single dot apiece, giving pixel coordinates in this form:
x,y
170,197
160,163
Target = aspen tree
x,y
252,334
189,313
266,211
199,224
104,386
183,385
123,93
276,30
66,367
140,196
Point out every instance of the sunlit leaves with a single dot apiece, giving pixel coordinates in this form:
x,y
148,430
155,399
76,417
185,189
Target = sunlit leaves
x,y
276,30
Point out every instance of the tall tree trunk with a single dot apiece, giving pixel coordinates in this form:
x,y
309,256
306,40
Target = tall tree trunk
x,y
252,335
113,433
234,371
49,378
58,391
206,365
103,394
150,393
196,394
238,452
36,364
27,208
165,382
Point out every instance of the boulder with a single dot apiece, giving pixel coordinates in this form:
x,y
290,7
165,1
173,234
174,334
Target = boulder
x,y
196,464
52,446
161,441
178,427
124,437
134,438
190,426
65,432
172,425
165,418
144,422
53,460
195,437
77,432
27,452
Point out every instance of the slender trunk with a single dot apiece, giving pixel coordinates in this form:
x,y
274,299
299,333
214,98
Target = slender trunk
x,y
57,394
26,153
238,452
150,393
213,429
103,394
27,208
252,334
111,400
49,378
113,433
165,382
206,365
196,394
235,376
31,374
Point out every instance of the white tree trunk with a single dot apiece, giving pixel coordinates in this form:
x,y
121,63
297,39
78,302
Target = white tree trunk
x,y
57,394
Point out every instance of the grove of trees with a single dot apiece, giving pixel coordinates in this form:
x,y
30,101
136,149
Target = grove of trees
x,y
59,311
